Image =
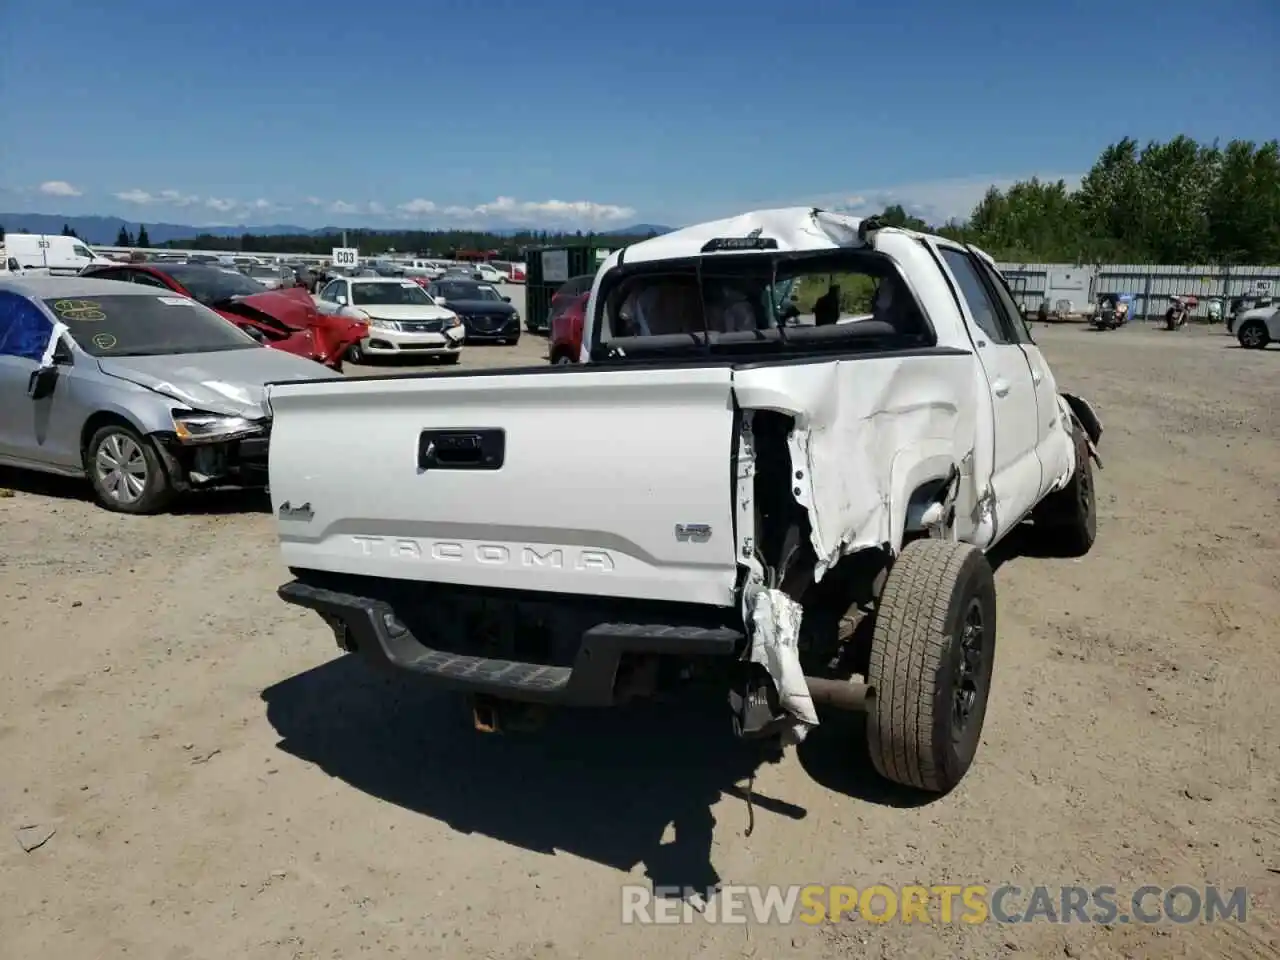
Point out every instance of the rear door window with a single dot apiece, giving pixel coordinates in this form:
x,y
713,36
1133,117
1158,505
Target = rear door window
x,y
24,329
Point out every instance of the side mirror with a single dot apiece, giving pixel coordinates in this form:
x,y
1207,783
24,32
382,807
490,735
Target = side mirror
x,y
255,333
340,298
439,299
42,382
506,299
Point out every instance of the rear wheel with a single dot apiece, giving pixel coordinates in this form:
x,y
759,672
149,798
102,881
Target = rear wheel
x,y
1067,520
1253,335
125,471
932,655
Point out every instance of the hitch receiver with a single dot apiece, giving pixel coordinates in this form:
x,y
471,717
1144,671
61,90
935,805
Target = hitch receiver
x,y
495,715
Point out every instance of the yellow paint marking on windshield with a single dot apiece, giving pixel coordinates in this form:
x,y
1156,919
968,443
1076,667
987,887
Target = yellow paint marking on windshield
x,y
83,310
104,341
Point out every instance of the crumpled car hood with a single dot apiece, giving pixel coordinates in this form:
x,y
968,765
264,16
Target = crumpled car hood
x,y
229,382
291,306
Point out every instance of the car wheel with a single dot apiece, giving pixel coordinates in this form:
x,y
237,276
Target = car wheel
x,y
932,654
1067,520
355,353
1253,335
563,360
125,471
450,357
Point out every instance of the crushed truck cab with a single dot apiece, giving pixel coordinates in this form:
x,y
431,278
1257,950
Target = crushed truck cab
x,y
793,438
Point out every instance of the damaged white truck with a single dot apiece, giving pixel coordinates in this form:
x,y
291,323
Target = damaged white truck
x,y
720,490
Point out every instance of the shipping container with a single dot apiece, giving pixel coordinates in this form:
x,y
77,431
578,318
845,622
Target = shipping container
x,y
547,269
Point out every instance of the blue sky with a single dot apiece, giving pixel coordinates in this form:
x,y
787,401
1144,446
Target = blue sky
x,y
578,112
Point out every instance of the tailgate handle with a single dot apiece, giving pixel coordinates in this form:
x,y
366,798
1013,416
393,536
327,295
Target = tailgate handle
x,y
477,449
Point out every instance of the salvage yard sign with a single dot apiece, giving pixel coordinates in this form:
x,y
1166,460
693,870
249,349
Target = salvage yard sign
x,y
345,256
555,266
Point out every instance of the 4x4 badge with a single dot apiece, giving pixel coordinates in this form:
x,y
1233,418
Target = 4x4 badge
x,y
289,512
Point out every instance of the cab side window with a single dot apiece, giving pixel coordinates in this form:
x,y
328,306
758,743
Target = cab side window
x,y
24,329
986,311
1014,319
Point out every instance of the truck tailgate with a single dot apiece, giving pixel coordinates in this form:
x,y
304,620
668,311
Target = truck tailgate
x,y
569,481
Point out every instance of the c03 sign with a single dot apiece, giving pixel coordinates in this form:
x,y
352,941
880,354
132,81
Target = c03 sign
x,y
345,256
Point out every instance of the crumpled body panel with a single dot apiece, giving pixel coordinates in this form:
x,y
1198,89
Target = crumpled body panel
x,y
867,433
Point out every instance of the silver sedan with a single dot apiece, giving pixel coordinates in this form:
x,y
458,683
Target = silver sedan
x,y
144,392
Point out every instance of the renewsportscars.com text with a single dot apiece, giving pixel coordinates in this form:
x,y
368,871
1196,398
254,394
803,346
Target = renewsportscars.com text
x,y
942,903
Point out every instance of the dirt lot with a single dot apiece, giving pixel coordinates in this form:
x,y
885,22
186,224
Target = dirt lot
x,y
222,784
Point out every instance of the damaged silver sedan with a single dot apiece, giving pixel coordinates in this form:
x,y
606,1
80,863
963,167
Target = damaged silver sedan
x,y
145,393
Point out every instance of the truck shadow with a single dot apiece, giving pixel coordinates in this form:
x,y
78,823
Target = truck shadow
x,y
604,785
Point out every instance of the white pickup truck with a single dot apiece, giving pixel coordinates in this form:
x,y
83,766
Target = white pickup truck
x,y
711,493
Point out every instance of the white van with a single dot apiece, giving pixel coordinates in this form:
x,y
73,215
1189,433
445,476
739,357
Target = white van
x,y
44,251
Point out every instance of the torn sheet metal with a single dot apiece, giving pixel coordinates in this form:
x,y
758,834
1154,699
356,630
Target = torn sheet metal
x,y
775,645
792,228
867,433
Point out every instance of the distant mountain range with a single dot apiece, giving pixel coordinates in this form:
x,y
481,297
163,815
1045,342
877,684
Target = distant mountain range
x,y
104,230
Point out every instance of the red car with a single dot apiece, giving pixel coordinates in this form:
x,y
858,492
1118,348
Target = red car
x,y
566,317
285,318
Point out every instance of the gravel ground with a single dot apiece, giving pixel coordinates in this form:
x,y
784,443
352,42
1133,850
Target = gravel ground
x,y
221,783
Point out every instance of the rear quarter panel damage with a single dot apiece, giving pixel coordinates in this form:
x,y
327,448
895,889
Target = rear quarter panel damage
x,y
868,432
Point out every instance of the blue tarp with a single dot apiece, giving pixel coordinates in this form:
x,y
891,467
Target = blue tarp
x,y
24,330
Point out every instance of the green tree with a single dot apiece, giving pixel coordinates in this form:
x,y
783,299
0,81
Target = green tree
x,y
143,239
122,238
1243,206
67,231
897,216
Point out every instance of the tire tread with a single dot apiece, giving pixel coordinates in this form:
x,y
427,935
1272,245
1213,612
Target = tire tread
x,y
906,654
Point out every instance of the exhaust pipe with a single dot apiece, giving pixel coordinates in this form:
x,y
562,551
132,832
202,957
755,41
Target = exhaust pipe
x,y
841,694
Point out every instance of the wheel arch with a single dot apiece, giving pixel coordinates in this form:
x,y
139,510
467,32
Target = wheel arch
x,y
107,417
922,476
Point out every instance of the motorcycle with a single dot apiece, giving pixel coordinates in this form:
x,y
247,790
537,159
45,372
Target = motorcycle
x,y
1110,314
1177,314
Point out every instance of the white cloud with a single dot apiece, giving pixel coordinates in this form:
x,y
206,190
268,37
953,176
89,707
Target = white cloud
x,y
570,211
416,207
341,206
58,188
174,198
313,202
140,197
222,205
934,201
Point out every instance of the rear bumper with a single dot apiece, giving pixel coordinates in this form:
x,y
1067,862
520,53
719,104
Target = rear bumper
x,y
369,627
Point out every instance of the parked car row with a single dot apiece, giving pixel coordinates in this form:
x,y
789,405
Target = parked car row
x,y
285,318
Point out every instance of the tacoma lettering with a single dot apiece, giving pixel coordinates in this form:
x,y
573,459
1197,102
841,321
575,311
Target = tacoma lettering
x,y
489,554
